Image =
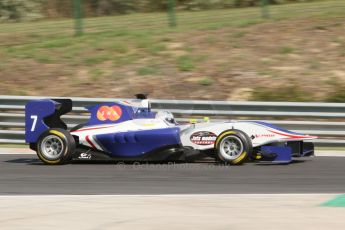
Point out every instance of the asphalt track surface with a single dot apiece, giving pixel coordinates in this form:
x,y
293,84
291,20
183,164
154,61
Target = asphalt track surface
x,y
26,175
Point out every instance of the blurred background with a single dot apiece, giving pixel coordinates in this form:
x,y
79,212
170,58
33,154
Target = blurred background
x,y
266,50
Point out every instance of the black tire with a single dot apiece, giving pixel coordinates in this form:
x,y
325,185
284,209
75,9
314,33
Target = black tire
x,y
57,141
241,140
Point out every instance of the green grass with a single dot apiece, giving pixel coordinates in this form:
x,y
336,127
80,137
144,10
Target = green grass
x,y
2,66
211,40
119,61
44,59
240,34
147,70
290,92
125,43
144,42
248,22
338,91
96,74
156,23
339,41
55,43
342,52
320,27
96,59
314,64
286,50
265,73
185,63
157,48
206,81
120,47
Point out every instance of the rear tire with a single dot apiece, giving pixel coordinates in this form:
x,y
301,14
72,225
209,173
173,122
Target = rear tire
x,y
56,147
233,147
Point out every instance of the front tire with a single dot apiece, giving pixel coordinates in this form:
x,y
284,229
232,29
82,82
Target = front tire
x,y
55,147
233,147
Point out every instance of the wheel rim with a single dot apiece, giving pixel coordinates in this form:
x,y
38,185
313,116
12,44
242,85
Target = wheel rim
x,y
231,147
52,147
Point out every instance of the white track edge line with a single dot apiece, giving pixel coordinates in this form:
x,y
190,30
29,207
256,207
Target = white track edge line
x,y
175,195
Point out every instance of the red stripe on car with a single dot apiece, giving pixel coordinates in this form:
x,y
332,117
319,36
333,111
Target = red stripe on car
x,y
89,141
291,136
94,128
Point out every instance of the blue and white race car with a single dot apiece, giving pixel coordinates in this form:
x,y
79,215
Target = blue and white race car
x,y
130,131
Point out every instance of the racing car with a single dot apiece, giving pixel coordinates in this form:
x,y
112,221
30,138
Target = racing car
x,y
128,130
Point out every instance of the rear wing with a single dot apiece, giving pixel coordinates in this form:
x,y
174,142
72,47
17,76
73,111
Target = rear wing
x,y
40,115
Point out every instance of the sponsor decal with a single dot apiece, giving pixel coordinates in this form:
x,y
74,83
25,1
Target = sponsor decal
x,y
264,135
112,113
203,138
86,156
